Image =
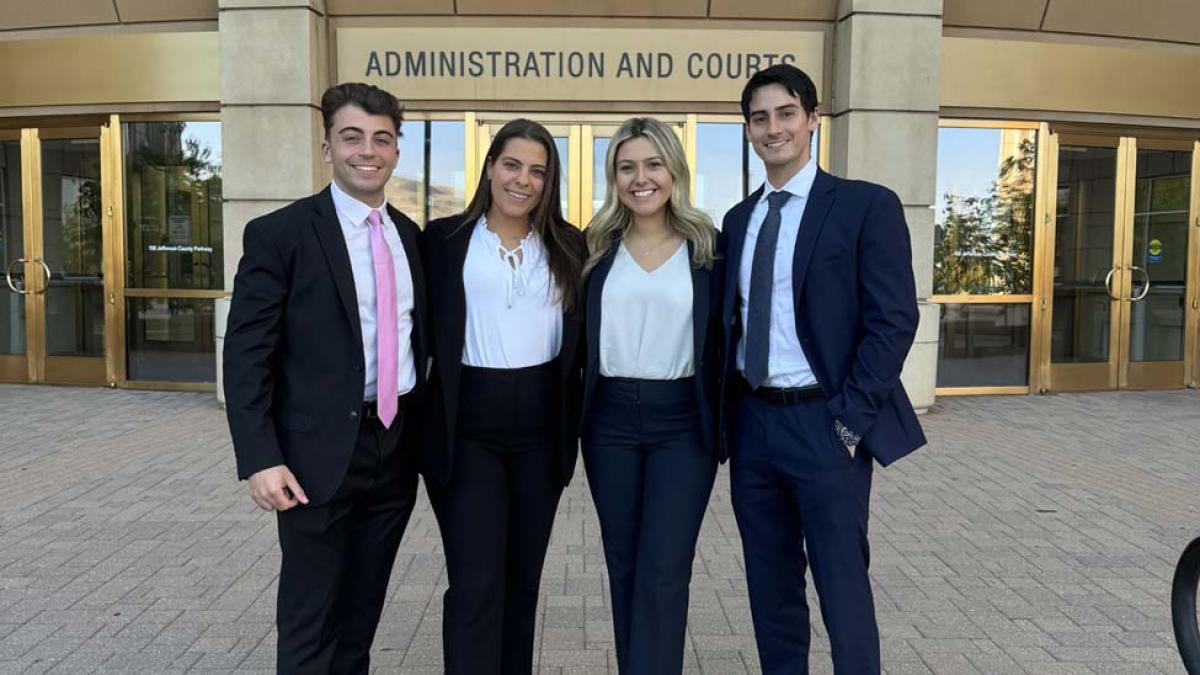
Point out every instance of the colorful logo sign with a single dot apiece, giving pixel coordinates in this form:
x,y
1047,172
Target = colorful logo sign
x,y
1154,251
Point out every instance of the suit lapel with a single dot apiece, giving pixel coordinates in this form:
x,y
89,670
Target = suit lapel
x,y
457,245
337,255
595,296
736,237
820,198
416,269
700,285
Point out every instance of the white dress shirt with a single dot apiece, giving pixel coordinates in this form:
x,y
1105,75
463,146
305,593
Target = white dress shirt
x,y
787,366
646,329
514,315
352,216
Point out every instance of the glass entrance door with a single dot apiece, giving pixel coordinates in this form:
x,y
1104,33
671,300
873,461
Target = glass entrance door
x,y
14,361
55,257
1121,263
1159,241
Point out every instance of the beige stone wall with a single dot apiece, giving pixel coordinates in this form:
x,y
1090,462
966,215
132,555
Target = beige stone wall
x,y
886,92
274,67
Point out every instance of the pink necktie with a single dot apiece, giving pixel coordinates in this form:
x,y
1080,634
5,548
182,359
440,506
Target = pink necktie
x,y
387,333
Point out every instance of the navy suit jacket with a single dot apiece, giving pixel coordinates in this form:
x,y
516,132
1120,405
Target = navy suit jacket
x,y
447,241
293,361
706,341
856,307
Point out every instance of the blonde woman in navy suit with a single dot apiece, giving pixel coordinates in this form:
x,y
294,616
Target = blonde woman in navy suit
x,y
650,389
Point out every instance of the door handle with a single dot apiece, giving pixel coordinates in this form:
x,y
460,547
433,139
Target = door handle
x,y
1146,290
1108,284
8,278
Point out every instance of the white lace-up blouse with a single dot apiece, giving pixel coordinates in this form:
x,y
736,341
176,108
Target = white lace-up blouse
x,y
514,317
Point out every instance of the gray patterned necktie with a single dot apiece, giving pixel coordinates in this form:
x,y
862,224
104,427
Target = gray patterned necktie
x,y
762,282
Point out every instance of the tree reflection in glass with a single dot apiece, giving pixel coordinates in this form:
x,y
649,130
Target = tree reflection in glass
x,y
983,234
173,204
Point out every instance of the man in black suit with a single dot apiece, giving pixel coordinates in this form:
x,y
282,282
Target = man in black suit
x,y
323,356
820,311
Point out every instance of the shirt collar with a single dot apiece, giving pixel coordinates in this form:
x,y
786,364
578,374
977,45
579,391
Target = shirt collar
x,y
799,185
354,210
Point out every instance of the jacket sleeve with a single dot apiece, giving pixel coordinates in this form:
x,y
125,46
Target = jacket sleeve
x,y
251,341
888,311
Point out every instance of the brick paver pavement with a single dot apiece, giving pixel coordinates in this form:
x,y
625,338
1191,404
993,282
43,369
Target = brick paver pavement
x,y
1035,534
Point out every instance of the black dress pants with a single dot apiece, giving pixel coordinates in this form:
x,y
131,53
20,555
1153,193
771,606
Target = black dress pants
x,y
651,478
495,515
337,556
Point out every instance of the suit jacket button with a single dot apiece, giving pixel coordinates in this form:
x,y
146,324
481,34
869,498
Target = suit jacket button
x,y
354,416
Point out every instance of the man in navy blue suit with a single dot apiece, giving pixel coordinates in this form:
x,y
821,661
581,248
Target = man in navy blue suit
x,y
820,310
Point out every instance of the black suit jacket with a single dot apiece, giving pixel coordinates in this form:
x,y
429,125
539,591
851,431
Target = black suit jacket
x,y
446,242
293,359
856,306
706,341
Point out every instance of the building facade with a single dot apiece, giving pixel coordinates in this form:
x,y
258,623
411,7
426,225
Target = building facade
x,y
1047,153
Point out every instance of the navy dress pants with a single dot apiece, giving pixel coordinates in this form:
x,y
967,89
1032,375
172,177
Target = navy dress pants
x,y
801,500
650,478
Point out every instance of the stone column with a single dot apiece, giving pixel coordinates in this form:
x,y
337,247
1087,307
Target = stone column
x,y
274,68
886,95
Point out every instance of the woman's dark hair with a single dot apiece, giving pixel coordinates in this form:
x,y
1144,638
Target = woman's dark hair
x,y
566,264
796,81
372,99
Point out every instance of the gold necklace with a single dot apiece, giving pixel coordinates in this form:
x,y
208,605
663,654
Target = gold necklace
x,y
647,251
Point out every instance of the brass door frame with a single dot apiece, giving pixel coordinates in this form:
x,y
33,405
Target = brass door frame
x,y
1079,376
1119,372
117,300
40,366
1191,350
114,256
1156,374
19,367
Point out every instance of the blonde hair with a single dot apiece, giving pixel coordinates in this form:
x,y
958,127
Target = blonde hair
x,y
614,219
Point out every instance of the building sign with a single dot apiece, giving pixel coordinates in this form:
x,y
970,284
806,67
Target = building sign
x,y
569,64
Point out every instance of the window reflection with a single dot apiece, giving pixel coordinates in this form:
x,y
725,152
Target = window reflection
x,y
170,339
12,246
72,240
719,170
983,345
1160,250
563,145
430,178
1080,329
983,235
173,205
599,175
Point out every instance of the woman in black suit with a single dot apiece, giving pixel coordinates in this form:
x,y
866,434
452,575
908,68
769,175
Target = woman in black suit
x,y
504,282
650,443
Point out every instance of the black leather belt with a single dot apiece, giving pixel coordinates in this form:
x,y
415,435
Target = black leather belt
x,y
784,395
371,408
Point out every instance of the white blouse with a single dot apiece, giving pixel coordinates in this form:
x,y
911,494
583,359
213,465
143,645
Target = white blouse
x,y
514,315
646,324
